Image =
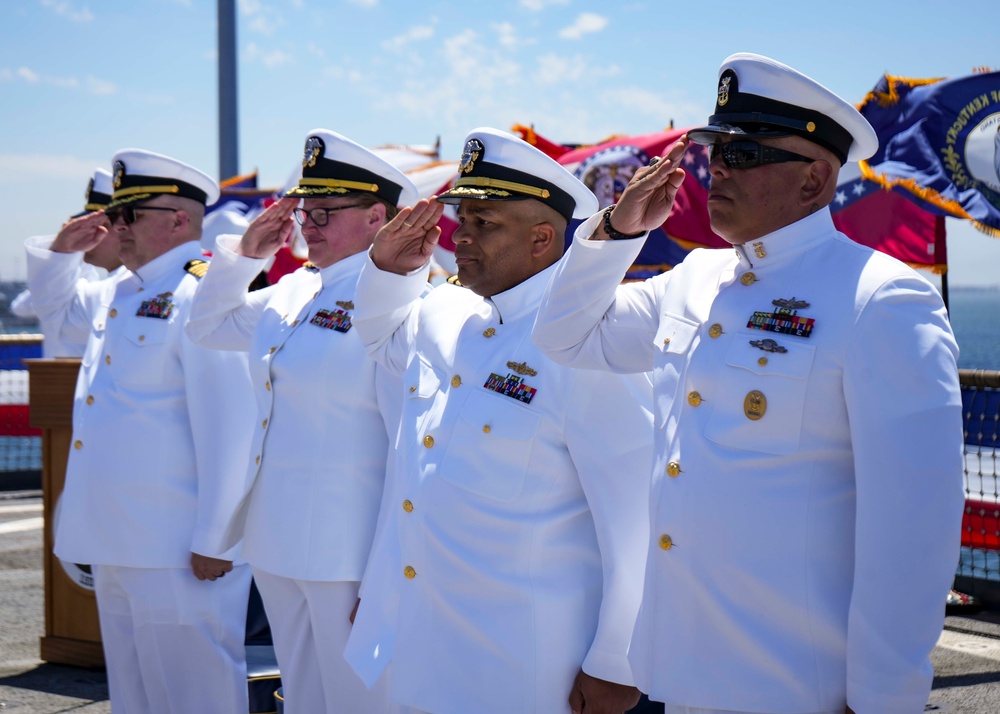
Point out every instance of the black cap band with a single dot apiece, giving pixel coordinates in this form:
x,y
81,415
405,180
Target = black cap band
x,y
333,178
134,187
492,182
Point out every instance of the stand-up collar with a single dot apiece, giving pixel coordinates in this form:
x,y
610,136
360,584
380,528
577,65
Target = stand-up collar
x,y
521,299
787,242
343,268
173,259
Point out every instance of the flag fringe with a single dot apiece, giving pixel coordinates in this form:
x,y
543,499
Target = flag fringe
x,y
238,179
892,97
927,194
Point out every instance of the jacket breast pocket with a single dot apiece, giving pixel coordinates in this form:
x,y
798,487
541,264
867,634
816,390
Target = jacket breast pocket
x,y
420,385
145,348
95,342
490,447
762,395
672,344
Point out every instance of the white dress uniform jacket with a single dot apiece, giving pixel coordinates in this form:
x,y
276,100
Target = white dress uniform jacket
x,y
324,409
160,426
807,492
522,498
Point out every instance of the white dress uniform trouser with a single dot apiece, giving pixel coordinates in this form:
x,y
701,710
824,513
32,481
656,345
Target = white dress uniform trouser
x,y
174,644
310,623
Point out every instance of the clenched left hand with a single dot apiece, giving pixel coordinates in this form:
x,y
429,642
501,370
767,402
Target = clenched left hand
x,y
597,696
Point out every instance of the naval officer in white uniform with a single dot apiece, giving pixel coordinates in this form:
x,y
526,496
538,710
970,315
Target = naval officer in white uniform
x,y
99,262
807,488
325,412
519,506
161,429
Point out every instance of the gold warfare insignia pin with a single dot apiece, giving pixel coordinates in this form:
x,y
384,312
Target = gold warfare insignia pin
x,y
314,150
758,250
522,368
346,304
119,171
470,155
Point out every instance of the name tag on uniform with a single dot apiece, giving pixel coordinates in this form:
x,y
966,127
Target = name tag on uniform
x,y
158,307
338,320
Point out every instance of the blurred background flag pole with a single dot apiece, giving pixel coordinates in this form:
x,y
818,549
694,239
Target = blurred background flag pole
x,y
229,157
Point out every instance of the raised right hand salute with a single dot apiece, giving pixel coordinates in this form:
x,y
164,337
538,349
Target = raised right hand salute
x,y
270,230
649,197
78,235
407,241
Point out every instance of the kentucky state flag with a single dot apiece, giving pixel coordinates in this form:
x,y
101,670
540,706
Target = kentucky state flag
x,y
939,139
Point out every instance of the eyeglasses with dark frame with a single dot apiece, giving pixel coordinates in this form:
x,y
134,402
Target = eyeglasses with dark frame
x,y
320,216
746,154
128,213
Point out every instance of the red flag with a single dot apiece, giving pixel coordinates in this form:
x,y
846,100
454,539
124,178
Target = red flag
x,y
888,221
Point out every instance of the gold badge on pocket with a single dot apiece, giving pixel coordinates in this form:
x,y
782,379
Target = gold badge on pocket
x,y
755,405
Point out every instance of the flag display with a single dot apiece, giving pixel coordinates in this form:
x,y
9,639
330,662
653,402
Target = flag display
x,y
889,220
939,139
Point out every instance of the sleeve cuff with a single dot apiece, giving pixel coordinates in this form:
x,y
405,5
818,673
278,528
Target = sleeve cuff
x,y
609,666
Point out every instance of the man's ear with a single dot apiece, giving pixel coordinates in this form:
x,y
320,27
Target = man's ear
x,y
543,236
181,221
817,182
376,215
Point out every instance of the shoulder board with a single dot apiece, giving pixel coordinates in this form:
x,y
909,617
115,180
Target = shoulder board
x,y
197,268
453,280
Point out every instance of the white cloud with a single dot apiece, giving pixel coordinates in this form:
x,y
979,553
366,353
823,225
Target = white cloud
x,y
93,85
69,10
414,34
364,3
315,50
269,58
539,5
260,17
507,34
641,101
24,167
100,87
585,24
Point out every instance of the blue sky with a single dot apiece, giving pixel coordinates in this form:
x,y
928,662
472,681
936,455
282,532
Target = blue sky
x,y
80,79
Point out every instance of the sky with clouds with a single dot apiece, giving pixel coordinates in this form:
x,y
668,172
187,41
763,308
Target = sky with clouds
x,y
80,79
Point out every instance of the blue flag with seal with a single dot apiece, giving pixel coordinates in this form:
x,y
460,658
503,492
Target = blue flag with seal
x,y
939,139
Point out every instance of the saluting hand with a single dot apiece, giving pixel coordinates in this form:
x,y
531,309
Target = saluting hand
x,y
78,235
206,568
597,696
407,241
270,230
647,200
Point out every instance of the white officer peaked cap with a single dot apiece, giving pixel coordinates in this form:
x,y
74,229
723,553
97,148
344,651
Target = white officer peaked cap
x,y
138,175
759,97
333,165
98,193
496,166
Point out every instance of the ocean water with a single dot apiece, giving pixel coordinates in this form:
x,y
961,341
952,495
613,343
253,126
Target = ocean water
x,y
975,317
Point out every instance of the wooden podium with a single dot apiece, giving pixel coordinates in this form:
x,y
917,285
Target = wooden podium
x,y
72,630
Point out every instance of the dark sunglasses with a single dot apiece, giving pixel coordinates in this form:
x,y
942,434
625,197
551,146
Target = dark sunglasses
x,y
128,213
319,216
748,154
